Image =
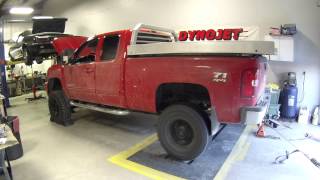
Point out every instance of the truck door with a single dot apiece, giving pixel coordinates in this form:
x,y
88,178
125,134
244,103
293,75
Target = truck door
x,y
80,73
109,75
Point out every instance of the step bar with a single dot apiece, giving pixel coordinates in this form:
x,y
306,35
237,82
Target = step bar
x,y
94,107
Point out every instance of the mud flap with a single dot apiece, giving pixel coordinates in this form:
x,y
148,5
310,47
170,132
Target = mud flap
x,y
215,124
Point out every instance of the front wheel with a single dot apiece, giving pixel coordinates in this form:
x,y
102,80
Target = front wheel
x,y
59,108
27,57
183,132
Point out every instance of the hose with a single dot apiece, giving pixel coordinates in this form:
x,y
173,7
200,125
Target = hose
x,y
282,158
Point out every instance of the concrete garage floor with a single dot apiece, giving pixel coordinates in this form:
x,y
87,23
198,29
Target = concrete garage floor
x,y
81,151
253,158
77,152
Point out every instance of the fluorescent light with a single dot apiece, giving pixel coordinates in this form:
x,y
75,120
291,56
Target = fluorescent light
x,y
21,10
17,20
42,17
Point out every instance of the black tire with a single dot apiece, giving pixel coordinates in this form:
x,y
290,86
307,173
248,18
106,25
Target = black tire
x,y
59,107
39,60
27,57
182,132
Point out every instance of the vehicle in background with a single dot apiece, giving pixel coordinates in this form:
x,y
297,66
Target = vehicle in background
x,y
37,45
15,50
194,86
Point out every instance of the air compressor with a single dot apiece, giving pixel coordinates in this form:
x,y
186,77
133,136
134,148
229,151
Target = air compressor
x,y
289,97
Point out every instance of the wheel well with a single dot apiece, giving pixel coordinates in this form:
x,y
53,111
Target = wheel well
x,y
54,84
173,93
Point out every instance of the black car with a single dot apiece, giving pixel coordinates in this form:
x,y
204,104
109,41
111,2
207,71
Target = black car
x,y
37,46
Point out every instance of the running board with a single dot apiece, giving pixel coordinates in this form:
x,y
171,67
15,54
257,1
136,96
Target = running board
x,y
100,109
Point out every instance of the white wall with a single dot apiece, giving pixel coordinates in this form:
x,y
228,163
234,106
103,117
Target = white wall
x,y
12,30
98,16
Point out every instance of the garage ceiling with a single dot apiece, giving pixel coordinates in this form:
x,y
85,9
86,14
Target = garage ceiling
x,y
5,6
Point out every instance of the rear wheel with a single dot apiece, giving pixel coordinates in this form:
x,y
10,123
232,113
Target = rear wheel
x,y
183,132
59,108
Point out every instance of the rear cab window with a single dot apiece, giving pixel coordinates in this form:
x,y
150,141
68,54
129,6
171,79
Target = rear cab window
x,y
110,47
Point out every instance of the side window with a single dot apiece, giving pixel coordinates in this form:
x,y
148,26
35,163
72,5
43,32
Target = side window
x,y
86,53
110,47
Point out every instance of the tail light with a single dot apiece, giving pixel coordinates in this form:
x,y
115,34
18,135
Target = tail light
x,y
249,82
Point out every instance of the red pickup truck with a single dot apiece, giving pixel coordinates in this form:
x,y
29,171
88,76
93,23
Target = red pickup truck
x,y
194,86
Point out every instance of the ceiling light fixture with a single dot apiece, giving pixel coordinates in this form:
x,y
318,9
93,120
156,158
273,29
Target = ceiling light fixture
x,y
17,20
21,10
42,17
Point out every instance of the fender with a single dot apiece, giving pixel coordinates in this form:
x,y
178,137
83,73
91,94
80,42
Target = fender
x,y
61,45
57,72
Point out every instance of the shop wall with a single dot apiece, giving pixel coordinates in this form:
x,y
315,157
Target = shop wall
x,y
12,29
98,16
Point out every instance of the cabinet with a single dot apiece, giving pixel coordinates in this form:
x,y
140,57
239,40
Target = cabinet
x,y
284,48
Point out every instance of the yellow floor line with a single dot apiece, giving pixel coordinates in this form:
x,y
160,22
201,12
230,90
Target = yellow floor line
x,y
238,153
121,159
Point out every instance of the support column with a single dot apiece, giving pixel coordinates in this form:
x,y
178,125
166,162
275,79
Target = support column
x,y
4,86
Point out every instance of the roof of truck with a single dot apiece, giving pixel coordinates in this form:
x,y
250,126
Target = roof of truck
x,y
112,32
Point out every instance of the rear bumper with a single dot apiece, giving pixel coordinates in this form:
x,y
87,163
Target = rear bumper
x,y
254,114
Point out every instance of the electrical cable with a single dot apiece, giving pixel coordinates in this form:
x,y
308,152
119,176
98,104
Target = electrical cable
x,y
306,136
282,158
298,139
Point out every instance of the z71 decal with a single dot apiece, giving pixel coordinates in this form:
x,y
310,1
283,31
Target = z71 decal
x,y
220,77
